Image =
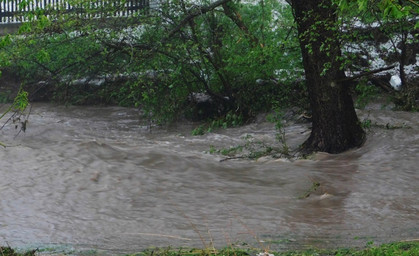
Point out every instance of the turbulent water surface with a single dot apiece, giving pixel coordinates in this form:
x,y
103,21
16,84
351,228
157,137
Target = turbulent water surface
x,y
98,178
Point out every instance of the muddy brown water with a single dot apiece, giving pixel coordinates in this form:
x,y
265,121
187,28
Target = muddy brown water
x,y
97,178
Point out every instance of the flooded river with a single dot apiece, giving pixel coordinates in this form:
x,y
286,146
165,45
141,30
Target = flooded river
x,y
98,178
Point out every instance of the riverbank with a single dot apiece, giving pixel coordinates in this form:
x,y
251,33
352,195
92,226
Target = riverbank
x,y
405,248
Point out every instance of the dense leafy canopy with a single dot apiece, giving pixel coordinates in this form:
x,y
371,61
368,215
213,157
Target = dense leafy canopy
x,y
243,64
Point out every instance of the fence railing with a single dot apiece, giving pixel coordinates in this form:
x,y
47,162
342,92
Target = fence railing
x,y
17,11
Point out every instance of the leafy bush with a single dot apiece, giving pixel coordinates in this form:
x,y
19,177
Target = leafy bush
x,y
365,94
239,61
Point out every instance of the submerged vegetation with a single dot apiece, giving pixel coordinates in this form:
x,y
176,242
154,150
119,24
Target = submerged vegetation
x,y
249,149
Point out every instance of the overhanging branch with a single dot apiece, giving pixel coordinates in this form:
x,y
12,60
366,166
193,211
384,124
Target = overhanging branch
x,y
185,21
236,18
195,13
347,79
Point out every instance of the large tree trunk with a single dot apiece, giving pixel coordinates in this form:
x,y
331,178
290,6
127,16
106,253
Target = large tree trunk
x,y
336,127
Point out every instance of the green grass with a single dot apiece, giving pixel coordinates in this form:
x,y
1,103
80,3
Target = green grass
x,y
7,251
410,248
392,249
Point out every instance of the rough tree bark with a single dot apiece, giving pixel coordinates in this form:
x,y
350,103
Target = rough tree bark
x,y
335,127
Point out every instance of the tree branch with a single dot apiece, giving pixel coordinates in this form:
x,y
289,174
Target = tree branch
x,y
235,17
194,14
413,2
347,79
185,21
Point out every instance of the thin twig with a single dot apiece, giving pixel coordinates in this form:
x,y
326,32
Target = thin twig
x,y
194,14
413,2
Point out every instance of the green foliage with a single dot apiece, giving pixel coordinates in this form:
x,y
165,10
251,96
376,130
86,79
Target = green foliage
x,y
222,53
200,130
231,151
388,8
5,96
394,21
406,248
21,101
365,93
231,119
7,251
391,249
251,148
277,118
366,124
18,107
19,104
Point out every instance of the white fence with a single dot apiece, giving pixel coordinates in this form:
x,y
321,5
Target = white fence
x,y
17,11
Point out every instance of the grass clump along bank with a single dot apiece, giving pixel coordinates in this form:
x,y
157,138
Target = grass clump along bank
x,y
392,249
406,248
7,251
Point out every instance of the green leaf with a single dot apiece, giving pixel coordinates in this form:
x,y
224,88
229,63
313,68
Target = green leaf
x,y
5,41
396,13
387,10
21,101
25,28
43,56
43,22
343,5
362,4
22,5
